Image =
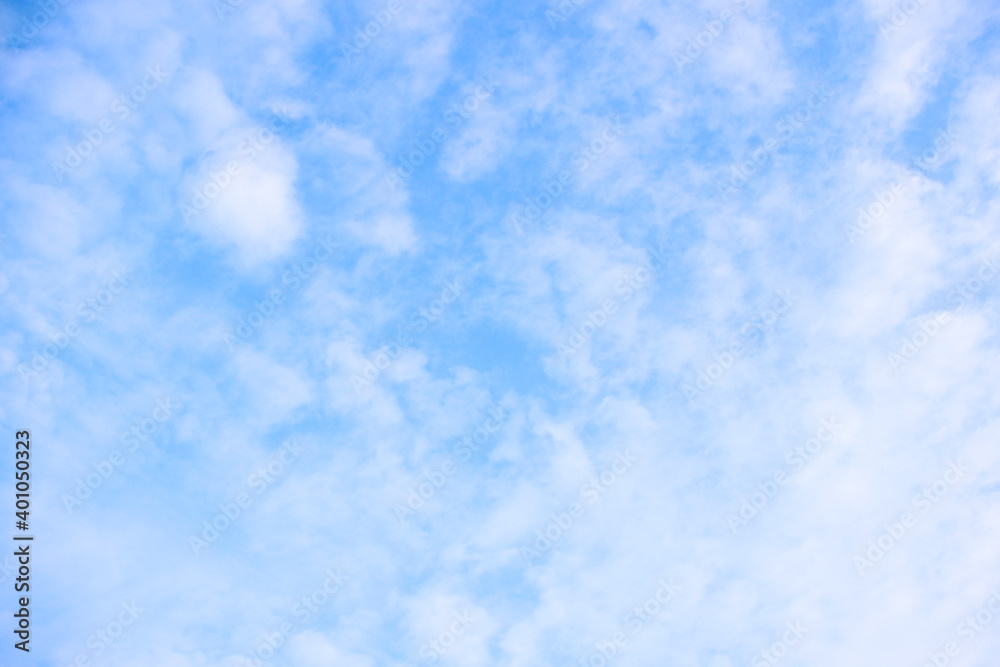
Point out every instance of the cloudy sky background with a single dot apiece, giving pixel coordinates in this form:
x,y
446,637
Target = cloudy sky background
x,y
564,216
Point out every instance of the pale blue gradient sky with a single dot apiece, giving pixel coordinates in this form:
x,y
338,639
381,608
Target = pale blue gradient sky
x,y
434,282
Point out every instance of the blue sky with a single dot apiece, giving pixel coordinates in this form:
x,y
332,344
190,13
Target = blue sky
x,y
504,334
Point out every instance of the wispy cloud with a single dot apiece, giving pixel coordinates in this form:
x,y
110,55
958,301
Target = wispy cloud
x,y
434,333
